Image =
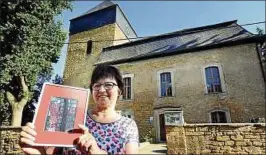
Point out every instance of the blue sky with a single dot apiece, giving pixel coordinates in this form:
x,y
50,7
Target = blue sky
x,y
157,17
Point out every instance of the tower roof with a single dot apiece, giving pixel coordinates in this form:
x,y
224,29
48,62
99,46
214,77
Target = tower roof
x,y
103,5
103,14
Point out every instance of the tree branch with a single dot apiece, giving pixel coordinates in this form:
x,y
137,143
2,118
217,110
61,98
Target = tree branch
x,y
25,91
11,99
23,84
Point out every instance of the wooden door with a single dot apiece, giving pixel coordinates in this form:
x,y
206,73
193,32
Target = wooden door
x,y
162,128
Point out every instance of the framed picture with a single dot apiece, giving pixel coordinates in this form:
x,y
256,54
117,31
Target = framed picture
x,y
59,111
173,118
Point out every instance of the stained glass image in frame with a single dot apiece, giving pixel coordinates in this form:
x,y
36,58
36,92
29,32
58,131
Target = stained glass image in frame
x,y
61,114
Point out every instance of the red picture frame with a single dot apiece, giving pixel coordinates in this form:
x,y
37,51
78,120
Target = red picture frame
x,y
60,109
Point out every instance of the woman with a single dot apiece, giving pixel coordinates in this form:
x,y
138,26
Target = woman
x,y
105,131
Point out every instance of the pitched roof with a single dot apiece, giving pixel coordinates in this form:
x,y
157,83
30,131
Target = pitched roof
x,y
101,6
174,43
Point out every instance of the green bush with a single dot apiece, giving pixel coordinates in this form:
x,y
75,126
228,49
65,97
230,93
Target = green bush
x,y
150,136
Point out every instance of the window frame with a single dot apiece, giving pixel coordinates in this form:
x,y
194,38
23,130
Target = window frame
x,y
218,114
212,78
225,110
171,71
221,75
131,76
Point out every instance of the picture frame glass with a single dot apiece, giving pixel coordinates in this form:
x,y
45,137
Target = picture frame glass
x,y
61,114
173,118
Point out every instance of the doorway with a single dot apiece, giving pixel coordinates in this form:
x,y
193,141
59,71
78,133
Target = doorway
x,y
162,128
159,121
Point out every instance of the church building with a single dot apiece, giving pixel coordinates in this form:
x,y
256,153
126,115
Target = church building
x,y
208,74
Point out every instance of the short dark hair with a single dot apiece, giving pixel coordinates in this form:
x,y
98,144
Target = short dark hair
x,y
106,71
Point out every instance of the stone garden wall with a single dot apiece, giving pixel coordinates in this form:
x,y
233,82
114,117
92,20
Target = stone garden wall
x,y
9,140
233,138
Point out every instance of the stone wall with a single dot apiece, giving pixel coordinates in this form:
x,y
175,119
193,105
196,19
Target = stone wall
x,y
233,138
9,140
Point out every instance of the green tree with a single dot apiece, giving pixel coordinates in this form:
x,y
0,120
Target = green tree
x,y
30,41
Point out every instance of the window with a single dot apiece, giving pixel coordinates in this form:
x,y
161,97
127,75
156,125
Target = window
x,y
89,47
127,88
213,81
218,117
166,84
129,113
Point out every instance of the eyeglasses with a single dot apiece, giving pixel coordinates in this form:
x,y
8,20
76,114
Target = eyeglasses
x,y
106,85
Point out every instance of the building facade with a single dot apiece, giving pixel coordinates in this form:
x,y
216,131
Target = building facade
x,y
211,74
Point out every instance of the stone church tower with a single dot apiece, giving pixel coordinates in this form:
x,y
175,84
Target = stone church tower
x,y
88,35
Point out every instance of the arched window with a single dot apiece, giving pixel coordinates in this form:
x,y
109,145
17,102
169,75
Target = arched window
x,y
213,80
218,117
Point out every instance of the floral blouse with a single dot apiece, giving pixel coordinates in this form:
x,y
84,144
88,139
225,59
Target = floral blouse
x,y
111,137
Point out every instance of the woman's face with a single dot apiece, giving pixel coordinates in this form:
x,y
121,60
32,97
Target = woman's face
x,y
105,92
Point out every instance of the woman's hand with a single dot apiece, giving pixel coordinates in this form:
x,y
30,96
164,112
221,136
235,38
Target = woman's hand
x,y
87,142
27,138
